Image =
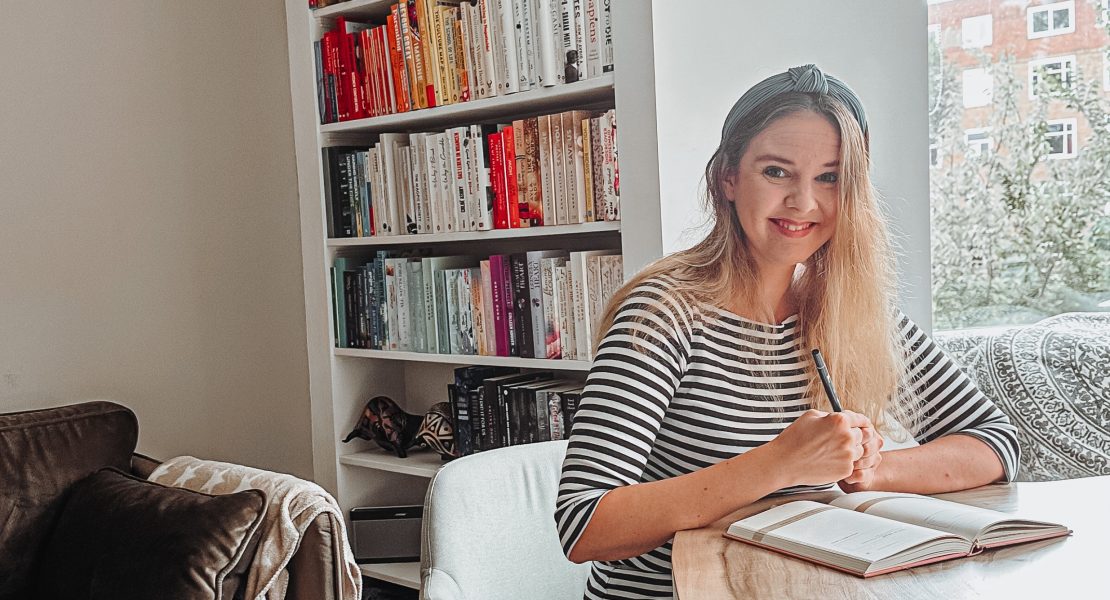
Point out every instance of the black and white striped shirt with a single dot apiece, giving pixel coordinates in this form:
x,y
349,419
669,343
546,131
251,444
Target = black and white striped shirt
x,y
672,391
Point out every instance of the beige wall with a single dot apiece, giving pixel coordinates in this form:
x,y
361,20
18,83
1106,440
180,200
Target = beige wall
x,y
149,225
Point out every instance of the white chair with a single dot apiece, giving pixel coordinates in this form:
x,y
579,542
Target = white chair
x,y
489,530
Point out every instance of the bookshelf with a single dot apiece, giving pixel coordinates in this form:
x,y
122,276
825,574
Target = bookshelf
x,y
342,379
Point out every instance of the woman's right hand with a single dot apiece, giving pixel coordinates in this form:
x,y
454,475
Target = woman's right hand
x,y
821,447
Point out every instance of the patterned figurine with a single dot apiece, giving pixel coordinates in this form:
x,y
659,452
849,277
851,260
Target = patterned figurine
x,y
384,422
438,431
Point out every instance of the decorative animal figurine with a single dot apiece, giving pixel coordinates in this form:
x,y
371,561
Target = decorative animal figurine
x,y
385,423
437,430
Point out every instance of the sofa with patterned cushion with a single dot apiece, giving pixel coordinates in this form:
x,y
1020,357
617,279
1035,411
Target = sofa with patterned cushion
x,y
1053,380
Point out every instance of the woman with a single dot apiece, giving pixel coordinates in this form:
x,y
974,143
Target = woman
x,y
703,397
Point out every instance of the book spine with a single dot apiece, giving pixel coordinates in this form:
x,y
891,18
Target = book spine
x,y
460,415
587,172
572,163
501,329
485,193
487,308
580,36
522,313
507,39
488,86
597,159
435,57
467,343
468,46
520,44
551,309
534,272
523,207
419,316
606,35
475,199
497,181
612,170
443,312
451,276
397,63
593,38
512,190
578,269
510,308
544,170
477,313
555,416
566,312
431,167
570,402
339,301
428,296
463,70
595,301
458,172
569,55
405,159
558,167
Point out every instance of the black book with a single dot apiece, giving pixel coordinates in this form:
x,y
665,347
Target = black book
x,y
522,306
341,190
513,425
528,422
350,290
491,406
570,400
467,382
460,419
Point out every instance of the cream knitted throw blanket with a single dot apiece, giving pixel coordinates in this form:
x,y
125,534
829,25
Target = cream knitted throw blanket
x,y
292,505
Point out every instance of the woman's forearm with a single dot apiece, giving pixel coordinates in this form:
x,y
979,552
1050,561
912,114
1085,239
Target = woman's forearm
x,y
946,464
635,519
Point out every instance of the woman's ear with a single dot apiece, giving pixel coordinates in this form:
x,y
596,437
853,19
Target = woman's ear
x,y
729,184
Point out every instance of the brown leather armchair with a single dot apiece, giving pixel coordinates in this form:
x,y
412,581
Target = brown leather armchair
x,y
45,452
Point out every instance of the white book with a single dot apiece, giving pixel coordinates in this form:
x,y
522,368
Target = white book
x,y
870,533
568,57
593,37
534,261
417,307
606,35
558,170
436,324
448,204
474,201
609,167
488,87
391,323
387,145
507,39
460,195
581,293
546,19
552,302
612,277
417,142
564,290
431,190
580,36
453,312
469,45
482,188
377,191
400,269
404,184
467,278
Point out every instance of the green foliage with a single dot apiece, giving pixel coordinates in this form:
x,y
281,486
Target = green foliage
x,y
1017,236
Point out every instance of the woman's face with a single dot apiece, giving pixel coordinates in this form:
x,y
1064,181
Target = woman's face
x,y
786,189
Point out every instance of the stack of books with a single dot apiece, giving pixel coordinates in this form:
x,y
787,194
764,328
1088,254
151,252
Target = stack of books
x,y
495,407
539,304
428,53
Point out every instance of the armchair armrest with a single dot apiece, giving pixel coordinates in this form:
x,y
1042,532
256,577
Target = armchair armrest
x,y
142,465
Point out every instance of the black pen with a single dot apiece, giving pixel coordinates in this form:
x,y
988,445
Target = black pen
x,y
823,373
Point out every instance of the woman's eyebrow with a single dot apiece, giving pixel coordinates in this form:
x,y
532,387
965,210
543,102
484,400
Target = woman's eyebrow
x,y
787,161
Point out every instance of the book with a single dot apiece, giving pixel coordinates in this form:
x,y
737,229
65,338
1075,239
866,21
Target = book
x,y
871,533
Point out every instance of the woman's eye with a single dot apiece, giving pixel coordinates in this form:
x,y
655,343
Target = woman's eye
x,y
775,172
829,178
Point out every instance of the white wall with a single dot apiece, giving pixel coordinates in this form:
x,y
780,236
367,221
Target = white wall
x,y
149,225
706,58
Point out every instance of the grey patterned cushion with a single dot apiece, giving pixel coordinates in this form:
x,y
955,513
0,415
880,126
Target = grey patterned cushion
x,y
1053,380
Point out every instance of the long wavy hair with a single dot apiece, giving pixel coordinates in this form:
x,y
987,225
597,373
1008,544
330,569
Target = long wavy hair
x,y
844,292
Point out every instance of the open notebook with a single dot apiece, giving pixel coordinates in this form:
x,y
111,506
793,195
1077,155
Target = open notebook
x,y
870,533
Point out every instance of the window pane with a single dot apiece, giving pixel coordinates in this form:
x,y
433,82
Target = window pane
x,y
1020,205
1040,21
1061,19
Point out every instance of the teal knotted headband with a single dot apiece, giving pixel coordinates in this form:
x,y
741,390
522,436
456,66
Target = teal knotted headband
x,y
807,79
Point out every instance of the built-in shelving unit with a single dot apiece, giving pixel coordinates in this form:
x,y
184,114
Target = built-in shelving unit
x,y
343,379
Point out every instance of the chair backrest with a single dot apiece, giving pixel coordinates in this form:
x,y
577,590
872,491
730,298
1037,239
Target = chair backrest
x,y
489,530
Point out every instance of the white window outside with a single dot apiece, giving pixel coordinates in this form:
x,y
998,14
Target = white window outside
x,y
979,141
1061,138
977,31
1060,69
1051,19
978,87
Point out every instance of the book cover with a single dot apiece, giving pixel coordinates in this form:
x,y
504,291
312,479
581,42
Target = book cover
x,y
559,171
564,291
522,305
546,170
593,37
552,307
572,162
587,172
512,191
487,309
478,315
524,214
528,171
510,308
497,180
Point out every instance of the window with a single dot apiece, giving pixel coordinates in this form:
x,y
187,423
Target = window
x,y
1051,19
1055,71
1061,138
977,31
978,141
978,88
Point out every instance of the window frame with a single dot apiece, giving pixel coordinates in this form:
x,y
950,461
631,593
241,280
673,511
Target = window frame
x,y
989,31
1036,64
1071,127
1031,11
963,89
983,146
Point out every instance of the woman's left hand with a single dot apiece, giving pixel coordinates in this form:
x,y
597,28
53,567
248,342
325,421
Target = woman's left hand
x,y
863,470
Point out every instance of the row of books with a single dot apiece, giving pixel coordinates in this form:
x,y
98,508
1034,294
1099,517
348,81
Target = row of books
x,y
495,407
428,53
539,304
554,169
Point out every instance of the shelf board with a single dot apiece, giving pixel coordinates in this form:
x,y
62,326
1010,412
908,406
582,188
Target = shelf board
x,y
467,359
537,101
419,463
468,236
358,9
405,573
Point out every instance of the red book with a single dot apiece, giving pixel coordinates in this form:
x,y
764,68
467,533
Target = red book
x,y
512,194
497,179
497,265
371,105
396,65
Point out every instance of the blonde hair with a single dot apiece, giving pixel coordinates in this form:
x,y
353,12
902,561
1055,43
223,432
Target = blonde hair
x,y
845,292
